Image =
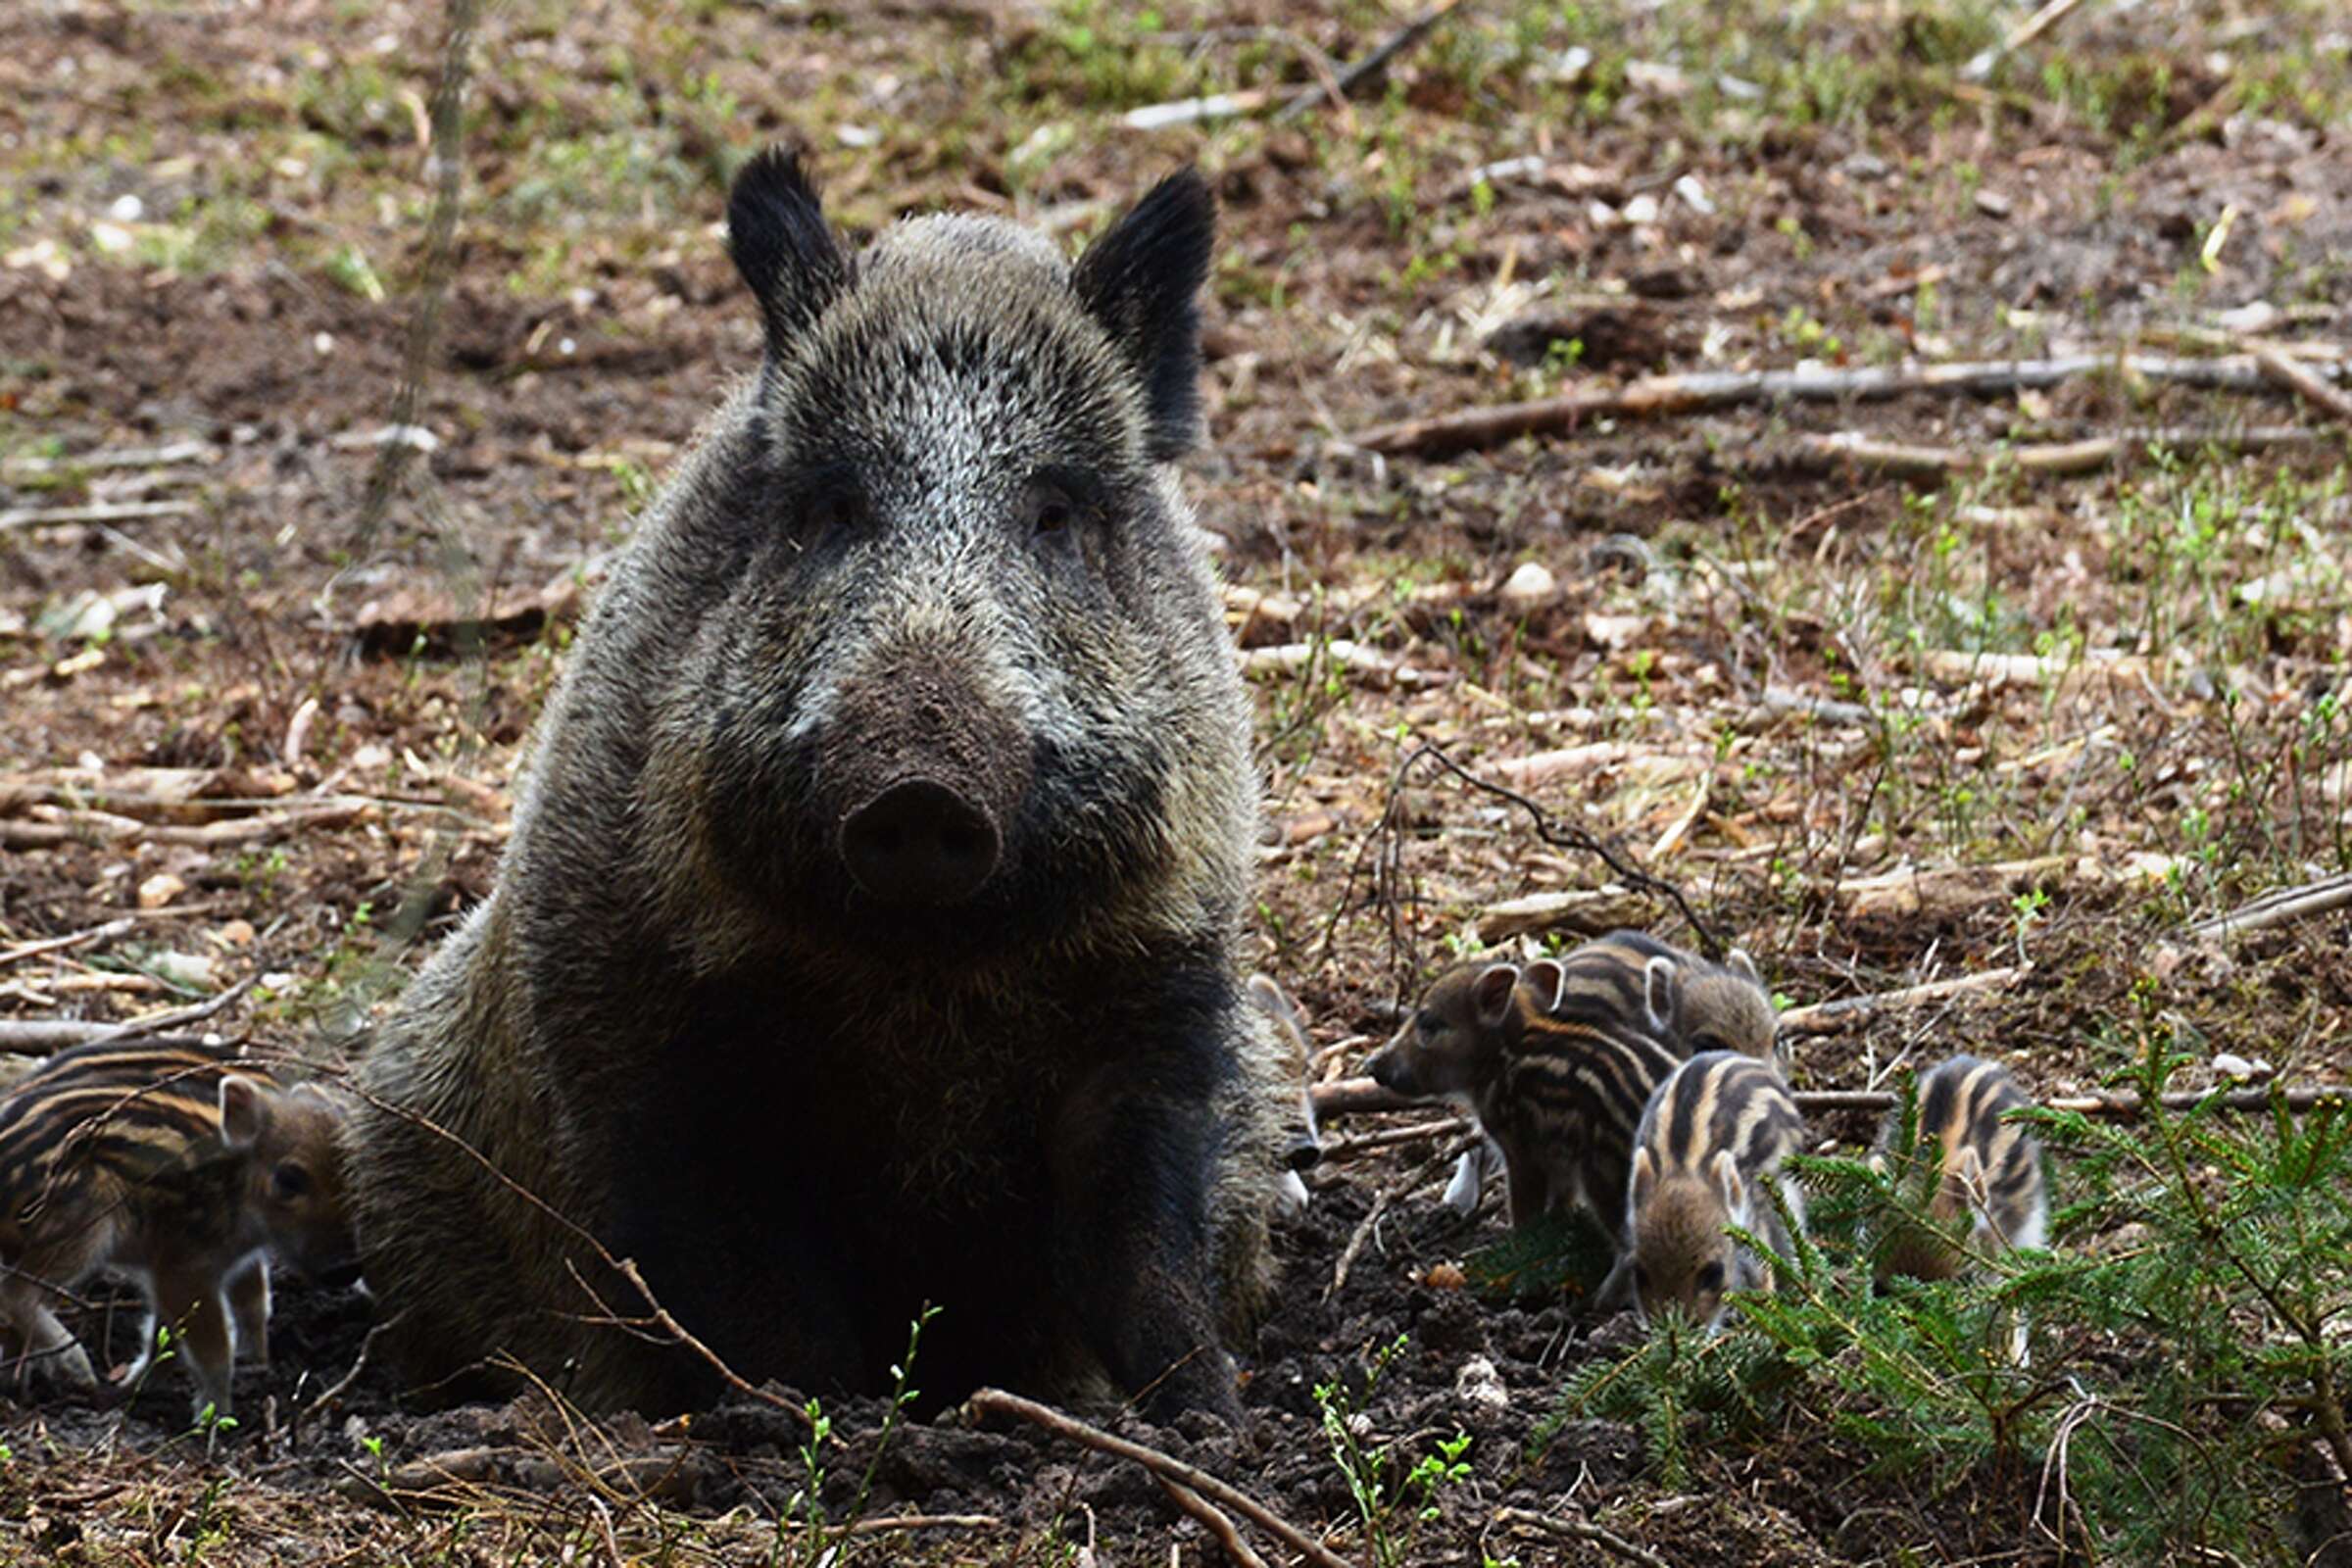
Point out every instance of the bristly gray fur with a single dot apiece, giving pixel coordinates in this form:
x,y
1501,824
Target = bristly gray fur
x,y
672,963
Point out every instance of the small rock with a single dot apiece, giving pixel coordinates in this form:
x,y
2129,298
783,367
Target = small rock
x,y
1642,211
1696,195
126,209
1479,1383
158,890
1444,1277
1992,204
235,934
1530,587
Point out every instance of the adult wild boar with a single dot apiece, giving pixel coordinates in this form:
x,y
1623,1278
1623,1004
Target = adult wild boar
x,y
868,936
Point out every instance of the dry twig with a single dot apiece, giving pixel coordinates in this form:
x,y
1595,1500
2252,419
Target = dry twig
x,y
1654,396
2280,906
39,1037
1370,66
1608,1540
1213,1519
996,1401
2309,387
2025,32
2090,455
96,512
1828,1017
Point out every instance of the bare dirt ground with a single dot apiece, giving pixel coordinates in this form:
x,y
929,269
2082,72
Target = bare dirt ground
x,y
1880,727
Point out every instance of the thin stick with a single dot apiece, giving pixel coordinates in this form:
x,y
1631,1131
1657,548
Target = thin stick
x,y
2309,387
1828,1017
39,1037
1354,75
1661,395
1213,1519
342,1384
169,455
926,1520
2023,34
1608,1540
96,512
1352,1094
96,933
2060,458
104,828
1362,1236
1340,1151
997,1402
2278,906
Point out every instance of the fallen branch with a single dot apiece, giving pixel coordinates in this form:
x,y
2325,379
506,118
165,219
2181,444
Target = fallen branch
x,y
1828,1017
2305,386
2054,457
892,1523
1608,1540
105,827
996,1401
1653,395
39,1037
169,455
1212,1519
1371,64
1349,1096
96,933
2278,906
96,512
1343,1150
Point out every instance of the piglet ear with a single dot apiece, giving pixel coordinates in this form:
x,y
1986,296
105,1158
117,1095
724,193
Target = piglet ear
x,y
1141,280
1491,994
1740,964
1657,983
1732,1185
1546,980
1643,1178
243,1111
783,246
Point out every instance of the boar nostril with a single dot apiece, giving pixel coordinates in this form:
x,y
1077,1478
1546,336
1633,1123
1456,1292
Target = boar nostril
x,y
920,841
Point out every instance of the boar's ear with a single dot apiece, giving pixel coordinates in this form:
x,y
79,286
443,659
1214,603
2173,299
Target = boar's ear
x,y
1141,280
1642,1178
782,245
242,1112
1740,964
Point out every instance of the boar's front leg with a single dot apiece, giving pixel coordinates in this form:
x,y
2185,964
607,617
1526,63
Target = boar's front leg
x,y
1131,1153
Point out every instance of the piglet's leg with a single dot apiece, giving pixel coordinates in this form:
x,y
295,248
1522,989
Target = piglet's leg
x,y
249,1307
50,1349
193,1298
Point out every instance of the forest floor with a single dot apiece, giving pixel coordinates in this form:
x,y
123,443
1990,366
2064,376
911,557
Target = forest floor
x,y
1884,696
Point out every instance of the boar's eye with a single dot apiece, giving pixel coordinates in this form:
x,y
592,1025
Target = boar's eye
x,y
831,505
289,1182
1054,508
1052,514
1710,1278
